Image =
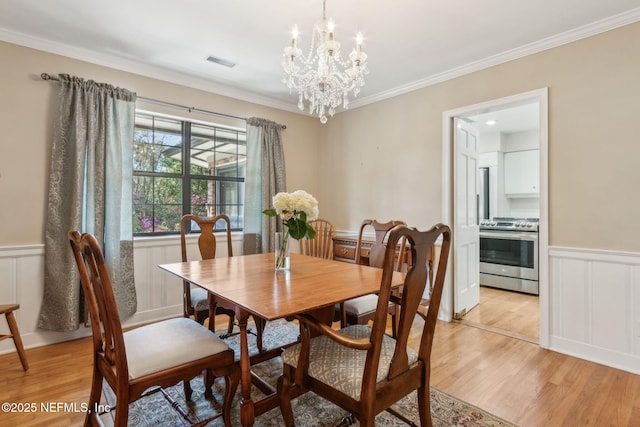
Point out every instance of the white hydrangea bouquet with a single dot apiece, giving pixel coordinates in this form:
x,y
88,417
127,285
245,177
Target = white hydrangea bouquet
x,y
295,209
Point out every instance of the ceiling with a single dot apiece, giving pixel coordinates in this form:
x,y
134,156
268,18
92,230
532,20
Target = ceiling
x,y
410,44
510,119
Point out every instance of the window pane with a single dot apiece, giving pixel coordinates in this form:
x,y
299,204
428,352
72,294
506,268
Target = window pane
x,y
203,197
143,150
203,146
230,201
142,204
216,148
157,204
212,197
167,199
157,145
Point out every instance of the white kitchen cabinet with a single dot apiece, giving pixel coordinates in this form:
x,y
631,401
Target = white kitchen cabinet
x,y
522,173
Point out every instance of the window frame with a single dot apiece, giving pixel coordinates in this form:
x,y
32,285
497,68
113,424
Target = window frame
x,y
187,177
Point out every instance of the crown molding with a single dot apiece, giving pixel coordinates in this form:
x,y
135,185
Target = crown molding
x,y
159,73
140,68
576,34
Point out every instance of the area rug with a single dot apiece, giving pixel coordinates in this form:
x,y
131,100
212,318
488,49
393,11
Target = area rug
x,y
165,408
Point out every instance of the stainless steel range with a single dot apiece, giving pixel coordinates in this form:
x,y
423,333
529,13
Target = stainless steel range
x,y
509,254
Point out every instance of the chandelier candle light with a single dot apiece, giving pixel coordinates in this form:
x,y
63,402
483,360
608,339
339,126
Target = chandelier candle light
x,y
295,209
323,78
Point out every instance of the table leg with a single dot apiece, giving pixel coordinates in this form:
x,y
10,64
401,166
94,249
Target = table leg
x,y
247,410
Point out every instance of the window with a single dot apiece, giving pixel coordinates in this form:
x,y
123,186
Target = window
x,y
182,167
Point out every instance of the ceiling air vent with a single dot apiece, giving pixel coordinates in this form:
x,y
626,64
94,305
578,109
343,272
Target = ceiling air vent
x,y
221,61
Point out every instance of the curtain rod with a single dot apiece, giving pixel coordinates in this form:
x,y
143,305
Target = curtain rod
x,y
46,76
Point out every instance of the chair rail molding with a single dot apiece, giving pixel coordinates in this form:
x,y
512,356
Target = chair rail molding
x,y
159,295
594,298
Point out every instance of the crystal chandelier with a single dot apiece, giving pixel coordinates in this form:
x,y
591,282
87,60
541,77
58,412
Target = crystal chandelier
x,y
322,77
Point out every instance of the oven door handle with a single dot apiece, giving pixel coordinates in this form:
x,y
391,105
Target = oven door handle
x,y
510,235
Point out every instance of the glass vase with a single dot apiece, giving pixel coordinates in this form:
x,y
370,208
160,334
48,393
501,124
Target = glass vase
x,y
282,250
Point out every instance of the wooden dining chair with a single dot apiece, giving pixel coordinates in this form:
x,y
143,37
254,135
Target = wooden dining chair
x,y
156,355
360,368
321,246
195,299
7,310
361,310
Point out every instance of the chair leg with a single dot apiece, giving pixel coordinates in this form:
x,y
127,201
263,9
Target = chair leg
x,y
209,377
188,391
284,385
424,406
395,320
231,382
201,316
232,318
94,399
17,339
260,325
122,412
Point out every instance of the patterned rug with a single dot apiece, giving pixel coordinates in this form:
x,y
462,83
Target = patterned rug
x,y
309,409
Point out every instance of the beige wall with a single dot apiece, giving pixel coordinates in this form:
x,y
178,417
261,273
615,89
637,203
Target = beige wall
x,y
384,160
26,122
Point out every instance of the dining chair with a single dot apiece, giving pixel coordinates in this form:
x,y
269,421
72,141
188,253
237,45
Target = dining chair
x,y
7,310
155,355
195,299
321,246
361,310
360,368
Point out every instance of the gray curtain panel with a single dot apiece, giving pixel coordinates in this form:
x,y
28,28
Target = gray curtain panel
x,y
265,177
90,190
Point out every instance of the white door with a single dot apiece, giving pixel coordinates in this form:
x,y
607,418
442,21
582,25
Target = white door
x,y
466,246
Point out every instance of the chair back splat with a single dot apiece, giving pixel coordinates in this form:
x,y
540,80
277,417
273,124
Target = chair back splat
x,y
378,248
207,239
382,370
321,246
155,355
360,311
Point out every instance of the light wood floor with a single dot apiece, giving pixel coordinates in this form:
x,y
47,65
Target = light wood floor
x,y
512,313
512,378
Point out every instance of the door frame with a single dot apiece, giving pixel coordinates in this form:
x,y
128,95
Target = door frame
x,y
541,96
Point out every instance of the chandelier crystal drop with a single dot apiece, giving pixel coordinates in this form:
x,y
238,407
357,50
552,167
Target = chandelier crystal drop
x,y
323,78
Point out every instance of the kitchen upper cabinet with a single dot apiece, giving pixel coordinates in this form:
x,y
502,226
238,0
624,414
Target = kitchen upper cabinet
x,y
522,173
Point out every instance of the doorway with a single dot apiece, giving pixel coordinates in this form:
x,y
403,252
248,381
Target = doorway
x,y
509,313
452,209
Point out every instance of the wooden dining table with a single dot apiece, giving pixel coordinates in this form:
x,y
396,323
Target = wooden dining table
x,y
250,286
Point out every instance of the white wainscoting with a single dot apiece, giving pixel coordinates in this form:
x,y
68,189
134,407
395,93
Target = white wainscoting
x,y
594,300
594,297
159,294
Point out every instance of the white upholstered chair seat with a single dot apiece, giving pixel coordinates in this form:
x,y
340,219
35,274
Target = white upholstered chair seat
x,y
199,299
342,367
361,305
152,348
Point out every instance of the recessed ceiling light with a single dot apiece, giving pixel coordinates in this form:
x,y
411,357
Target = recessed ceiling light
x,y
491,122
221,61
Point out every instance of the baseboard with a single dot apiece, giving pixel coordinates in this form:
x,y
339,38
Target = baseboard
x,y
603,356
